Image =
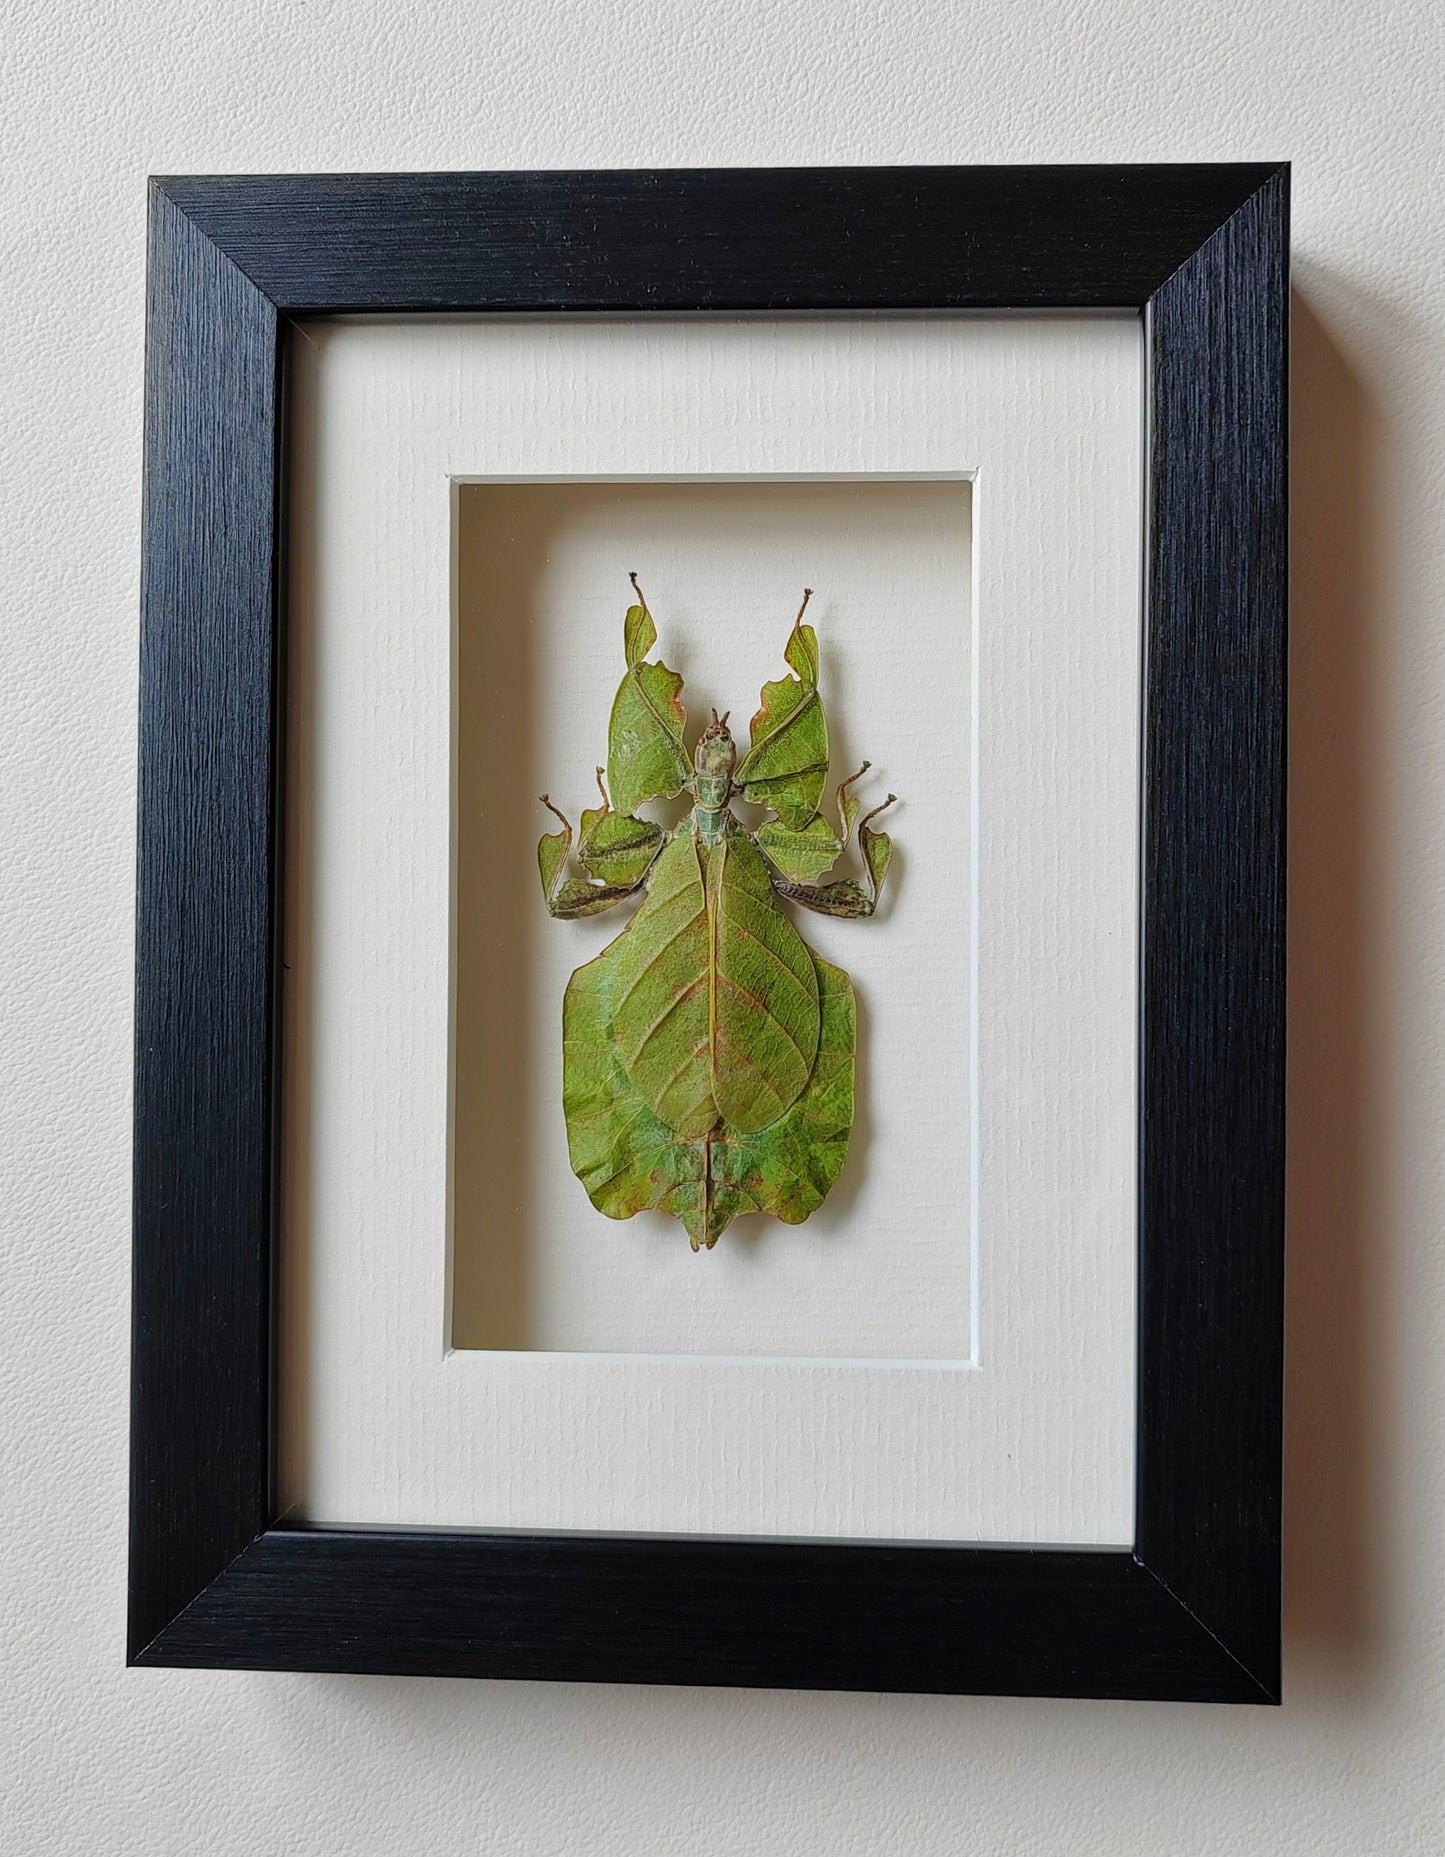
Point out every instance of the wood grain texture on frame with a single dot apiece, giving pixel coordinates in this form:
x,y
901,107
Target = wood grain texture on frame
x,y
1193,1611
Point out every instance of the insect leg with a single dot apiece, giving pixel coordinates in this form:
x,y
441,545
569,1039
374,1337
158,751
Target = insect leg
x,y
570,897
844,897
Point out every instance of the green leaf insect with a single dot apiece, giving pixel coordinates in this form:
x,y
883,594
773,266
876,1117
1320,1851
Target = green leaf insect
x,y
707,1053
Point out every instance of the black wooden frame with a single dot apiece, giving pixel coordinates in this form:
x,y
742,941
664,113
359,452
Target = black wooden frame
x,y
1192,1611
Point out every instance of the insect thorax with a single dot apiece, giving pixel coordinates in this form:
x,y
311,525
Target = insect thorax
x,y
713,762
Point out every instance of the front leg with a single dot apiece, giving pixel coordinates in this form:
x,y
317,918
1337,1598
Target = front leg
x,y
841,897
613,845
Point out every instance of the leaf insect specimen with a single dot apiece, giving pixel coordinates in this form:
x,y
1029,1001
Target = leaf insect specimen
x,y
707,1051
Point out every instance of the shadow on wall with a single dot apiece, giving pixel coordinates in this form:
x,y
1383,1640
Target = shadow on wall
x,y
1334,1495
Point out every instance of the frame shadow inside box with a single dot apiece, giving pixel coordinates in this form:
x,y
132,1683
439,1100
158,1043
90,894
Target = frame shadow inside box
x,y
540,589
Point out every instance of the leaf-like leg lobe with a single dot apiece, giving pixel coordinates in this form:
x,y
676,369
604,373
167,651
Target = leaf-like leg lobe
x,y
844,897
623,861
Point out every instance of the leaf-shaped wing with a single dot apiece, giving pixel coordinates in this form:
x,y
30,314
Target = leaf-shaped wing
x,y
646,759
714,1008
621,1150
659,1004
764,992
630,1161
789,1169
787,759
802,856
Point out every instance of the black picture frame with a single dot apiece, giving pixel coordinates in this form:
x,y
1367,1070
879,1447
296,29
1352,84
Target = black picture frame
x,y
1192,1610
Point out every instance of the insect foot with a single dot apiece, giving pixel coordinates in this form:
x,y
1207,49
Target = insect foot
x,y
708,1052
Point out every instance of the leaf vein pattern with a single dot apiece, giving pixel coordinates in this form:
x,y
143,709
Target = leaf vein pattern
x,y
691,1058
772,953
671,1007
752,999
785,722
651,962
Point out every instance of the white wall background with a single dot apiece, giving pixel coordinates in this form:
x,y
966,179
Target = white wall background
x,y
97,1760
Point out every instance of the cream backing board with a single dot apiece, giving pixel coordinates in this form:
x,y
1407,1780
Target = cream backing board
x,y
883,1268
1004,1410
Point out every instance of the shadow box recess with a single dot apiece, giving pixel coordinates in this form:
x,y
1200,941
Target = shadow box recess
x,y
1192,1609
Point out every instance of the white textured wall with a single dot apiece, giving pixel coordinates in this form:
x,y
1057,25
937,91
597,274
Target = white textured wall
x,y
97,1760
